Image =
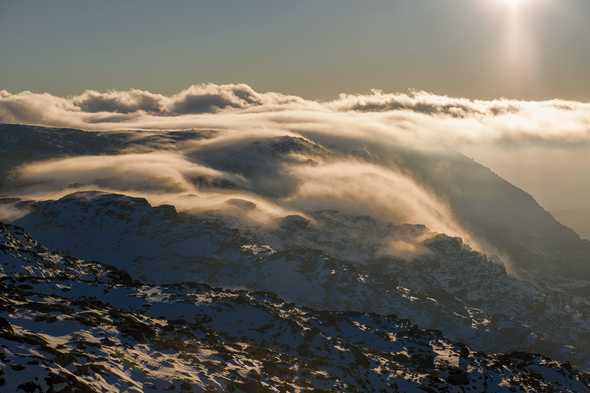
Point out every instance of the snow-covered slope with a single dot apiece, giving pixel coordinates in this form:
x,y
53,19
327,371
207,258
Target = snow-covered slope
x,y
333,264
68,325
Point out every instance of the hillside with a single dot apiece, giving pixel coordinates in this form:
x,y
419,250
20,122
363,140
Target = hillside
x,y
71,325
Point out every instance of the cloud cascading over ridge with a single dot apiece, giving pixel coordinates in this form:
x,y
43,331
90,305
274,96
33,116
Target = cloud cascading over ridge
x,y
162,172
282,153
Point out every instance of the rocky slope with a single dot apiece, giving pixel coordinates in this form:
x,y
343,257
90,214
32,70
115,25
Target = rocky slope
x,y
69,325
335,263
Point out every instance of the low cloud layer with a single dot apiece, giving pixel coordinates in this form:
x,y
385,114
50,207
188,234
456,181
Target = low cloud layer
x,y
262,156
417,117
150,172
268,175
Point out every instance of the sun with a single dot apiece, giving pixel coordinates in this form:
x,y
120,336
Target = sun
x,y
513,3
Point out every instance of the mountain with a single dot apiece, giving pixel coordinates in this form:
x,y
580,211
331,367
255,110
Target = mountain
x,y
339,251
500,215
577,218
67,324
334,264
505,219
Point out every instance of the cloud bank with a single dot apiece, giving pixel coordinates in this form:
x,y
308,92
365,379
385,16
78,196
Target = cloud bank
x,y
262,156
417,117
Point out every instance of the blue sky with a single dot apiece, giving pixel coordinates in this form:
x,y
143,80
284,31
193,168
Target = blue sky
x,y
315,49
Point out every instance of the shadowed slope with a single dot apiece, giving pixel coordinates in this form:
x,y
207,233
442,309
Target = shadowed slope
x,y
66,323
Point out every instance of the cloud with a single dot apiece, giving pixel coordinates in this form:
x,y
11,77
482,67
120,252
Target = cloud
x,y
120,101
9,212
423,102
211,98
154,172
264,158
196,99
418,118
32,108
362,188
378,154
270,171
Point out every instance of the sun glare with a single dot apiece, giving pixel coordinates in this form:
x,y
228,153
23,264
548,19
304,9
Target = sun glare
x,y
513,3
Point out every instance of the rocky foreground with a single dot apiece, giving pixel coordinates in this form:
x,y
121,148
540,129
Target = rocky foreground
x,y
68,325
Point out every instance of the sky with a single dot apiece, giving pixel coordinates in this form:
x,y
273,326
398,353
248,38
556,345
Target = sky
x,y
314,49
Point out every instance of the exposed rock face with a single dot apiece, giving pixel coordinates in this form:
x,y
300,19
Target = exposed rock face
x,y
69,325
